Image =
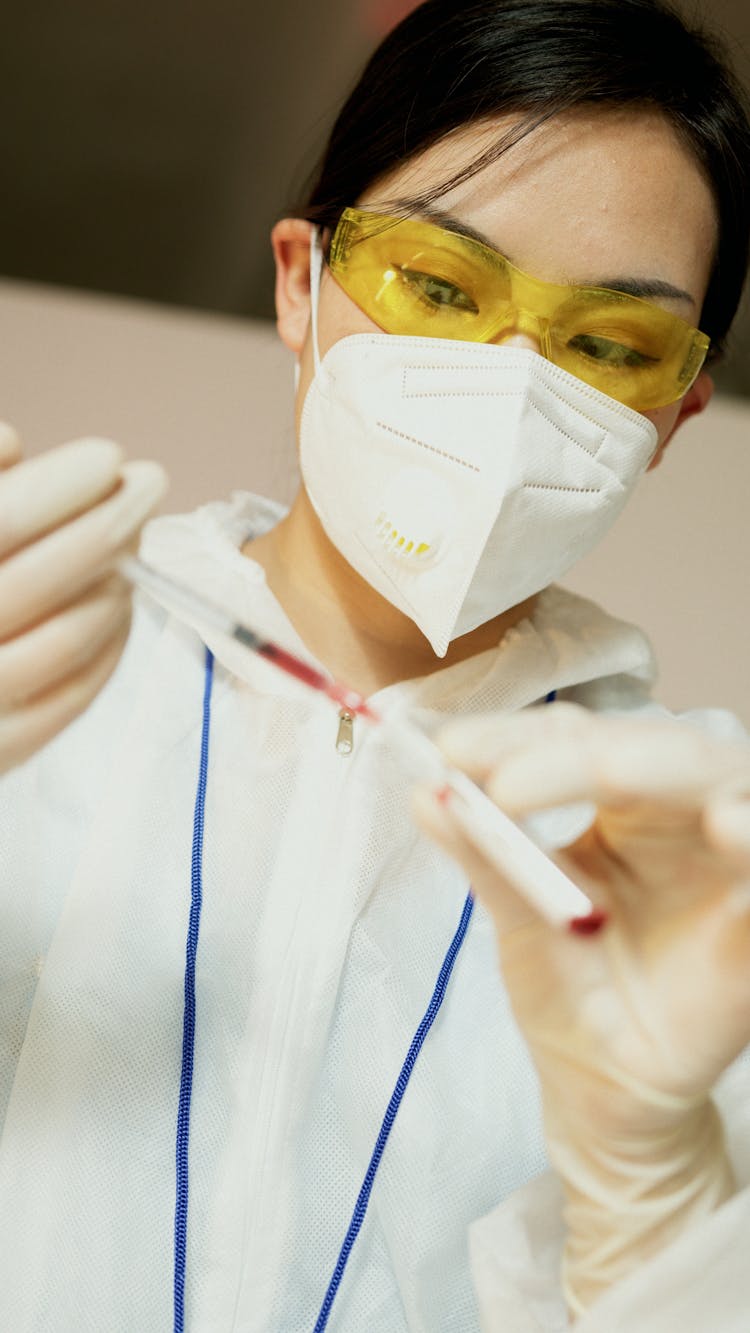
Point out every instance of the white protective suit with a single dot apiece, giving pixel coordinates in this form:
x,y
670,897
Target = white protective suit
x,y
326,918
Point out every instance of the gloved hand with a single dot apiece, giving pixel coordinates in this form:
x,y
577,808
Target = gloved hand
x,y
65,517
629,1028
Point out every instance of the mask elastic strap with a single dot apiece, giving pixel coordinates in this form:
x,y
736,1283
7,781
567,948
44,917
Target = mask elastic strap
x,y
316,269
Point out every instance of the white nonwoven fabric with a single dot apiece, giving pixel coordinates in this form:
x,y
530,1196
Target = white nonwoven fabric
x,y
326,918
499,467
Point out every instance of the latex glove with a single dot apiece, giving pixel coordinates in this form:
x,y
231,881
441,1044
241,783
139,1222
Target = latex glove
x,y
629,1028
65,517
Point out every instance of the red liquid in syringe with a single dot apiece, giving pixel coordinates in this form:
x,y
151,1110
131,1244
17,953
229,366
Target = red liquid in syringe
x,y
346,698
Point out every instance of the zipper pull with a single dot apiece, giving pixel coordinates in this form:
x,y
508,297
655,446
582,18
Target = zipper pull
x,y
345,733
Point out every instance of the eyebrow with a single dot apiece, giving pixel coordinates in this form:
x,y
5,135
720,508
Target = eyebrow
x,y
646,288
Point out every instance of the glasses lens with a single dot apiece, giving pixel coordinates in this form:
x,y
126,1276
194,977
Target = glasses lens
x,y
627,348
414,279
418,280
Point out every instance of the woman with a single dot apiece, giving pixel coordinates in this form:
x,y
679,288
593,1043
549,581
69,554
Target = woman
x,y
530,223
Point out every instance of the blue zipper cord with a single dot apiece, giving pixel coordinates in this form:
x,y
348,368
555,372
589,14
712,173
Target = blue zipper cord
x,y
358,1216
188,1050
188,1027
360,1208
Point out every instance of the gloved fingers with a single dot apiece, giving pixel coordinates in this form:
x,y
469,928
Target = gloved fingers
x,y
46,491
27,729
670,769
479,744
10,445
541,762
47,574
726,820
39,660
509,909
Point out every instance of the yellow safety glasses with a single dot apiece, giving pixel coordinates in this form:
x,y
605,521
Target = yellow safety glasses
x,y
415,278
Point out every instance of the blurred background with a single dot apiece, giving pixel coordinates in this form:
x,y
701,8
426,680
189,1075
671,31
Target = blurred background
x,y
147,146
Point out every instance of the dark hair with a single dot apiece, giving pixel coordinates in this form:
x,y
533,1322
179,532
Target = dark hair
x,y
451,63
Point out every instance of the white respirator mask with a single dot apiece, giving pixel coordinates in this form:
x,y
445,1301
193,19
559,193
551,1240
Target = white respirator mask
x,y
459,478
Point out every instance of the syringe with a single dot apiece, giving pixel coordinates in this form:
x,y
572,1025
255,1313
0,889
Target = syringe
x,y
511,851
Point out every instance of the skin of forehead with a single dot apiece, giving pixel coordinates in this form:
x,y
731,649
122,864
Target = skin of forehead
x,y
589,196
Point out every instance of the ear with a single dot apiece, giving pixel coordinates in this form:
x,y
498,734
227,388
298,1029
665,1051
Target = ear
x,y
291,239
696,400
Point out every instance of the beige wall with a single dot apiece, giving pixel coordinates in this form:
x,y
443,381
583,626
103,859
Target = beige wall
x,y
212,398
677,562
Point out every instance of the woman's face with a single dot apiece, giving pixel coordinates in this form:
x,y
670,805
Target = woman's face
x,y
594,197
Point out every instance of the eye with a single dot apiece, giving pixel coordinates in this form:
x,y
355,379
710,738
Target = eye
x,y
438,292
607,352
